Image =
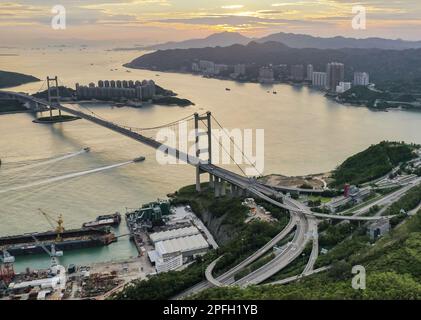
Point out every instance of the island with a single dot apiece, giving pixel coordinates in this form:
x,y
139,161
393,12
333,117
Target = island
x,y
12,79
124,93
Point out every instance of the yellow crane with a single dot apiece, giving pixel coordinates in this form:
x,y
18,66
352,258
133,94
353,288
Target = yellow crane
x,y
59,228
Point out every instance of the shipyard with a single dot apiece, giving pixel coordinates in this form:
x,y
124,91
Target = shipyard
x,y
166,238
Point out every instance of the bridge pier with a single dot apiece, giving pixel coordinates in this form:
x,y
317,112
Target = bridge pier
x,y
223,188
217,187
198,187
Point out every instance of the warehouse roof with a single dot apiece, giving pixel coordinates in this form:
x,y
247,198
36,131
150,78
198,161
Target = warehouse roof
x,y
173,234
185,244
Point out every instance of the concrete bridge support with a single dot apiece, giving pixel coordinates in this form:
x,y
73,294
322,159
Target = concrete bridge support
x,y
217,187
223,188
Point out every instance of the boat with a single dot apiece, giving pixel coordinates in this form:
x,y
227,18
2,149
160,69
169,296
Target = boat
x,y
140,159
67,240
227,89
87,149
274,92
103,221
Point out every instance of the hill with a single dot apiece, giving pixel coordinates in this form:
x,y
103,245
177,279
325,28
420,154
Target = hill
x,y
292,40
13,79
306,41
223,39
383,65
372,163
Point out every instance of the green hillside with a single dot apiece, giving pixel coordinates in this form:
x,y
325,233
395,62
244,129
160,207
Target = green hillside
x,y
393,268
372,163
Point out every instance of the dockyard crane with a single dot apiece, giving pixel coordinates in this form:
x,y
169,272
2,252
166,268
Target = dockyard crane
x,y
59,228
54,255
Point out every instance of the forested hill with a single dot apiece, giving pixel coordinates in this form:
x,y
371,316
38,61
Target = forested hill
x,y
12,79
372,163
383,65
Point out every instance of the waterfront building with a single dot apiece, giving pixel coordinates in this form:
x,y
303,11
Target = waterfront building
x,y
108,90
335,74
266,75
297,72
207,67
219,68
240,69
310,70
361,79
195,67
343,87
281,71
319,80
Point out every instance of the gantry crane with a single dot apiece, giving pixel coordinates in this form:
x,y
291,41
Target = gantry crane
x,y
59,228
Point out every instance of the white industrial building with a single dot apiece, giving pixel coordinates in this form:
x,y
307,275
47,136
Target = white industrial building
x,y
175,247
173,234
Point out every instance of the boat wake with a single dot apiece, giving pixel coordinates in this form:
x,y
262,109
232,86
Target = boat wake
x,y
50,161
64,177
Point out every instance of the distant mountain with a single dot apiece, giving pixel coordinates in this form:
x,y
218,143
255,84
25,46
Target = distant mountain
x,y
290,39
305,41
223,39
383,65
12,79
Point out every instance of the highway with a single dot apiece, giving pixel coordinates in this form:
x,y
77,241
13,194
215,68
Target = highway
x,y
389,199
292,251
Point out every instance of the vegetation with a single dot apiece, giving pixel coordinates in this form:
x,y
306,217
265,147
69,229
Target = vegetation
x,y
407,203
372,163
172,101
363,95
64,92
12,79
393,267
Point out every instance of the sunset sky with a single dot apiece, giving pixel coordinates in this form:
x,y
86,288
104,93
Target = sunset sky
x,y
152,21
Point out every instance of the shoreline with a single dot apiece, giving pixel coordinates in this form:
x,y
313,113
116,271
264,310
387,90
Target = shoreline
x,y
271,84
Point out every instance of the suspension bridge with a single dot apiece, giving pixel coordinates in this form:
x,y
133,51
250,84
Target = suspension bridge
x,y
303,220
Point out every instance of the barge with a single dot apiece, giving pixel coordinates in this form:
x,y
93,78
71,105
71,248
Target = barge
x,y
69,240
113,220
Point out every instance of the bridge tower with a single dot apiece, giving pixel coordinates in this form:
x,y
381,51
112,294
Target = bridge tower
x,y
53,94
199,151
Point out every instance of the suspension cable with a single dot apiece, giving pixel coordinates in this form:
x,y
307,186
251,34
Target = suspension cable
x,y
235,144
223,148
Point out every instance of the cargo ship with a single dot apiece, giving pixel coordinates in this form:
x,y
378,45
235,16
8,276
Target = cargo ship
x,y
66,240
113,220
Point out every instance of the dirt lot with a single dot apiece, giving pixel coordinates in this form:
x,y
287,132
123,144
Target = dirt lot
x,y
317,181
